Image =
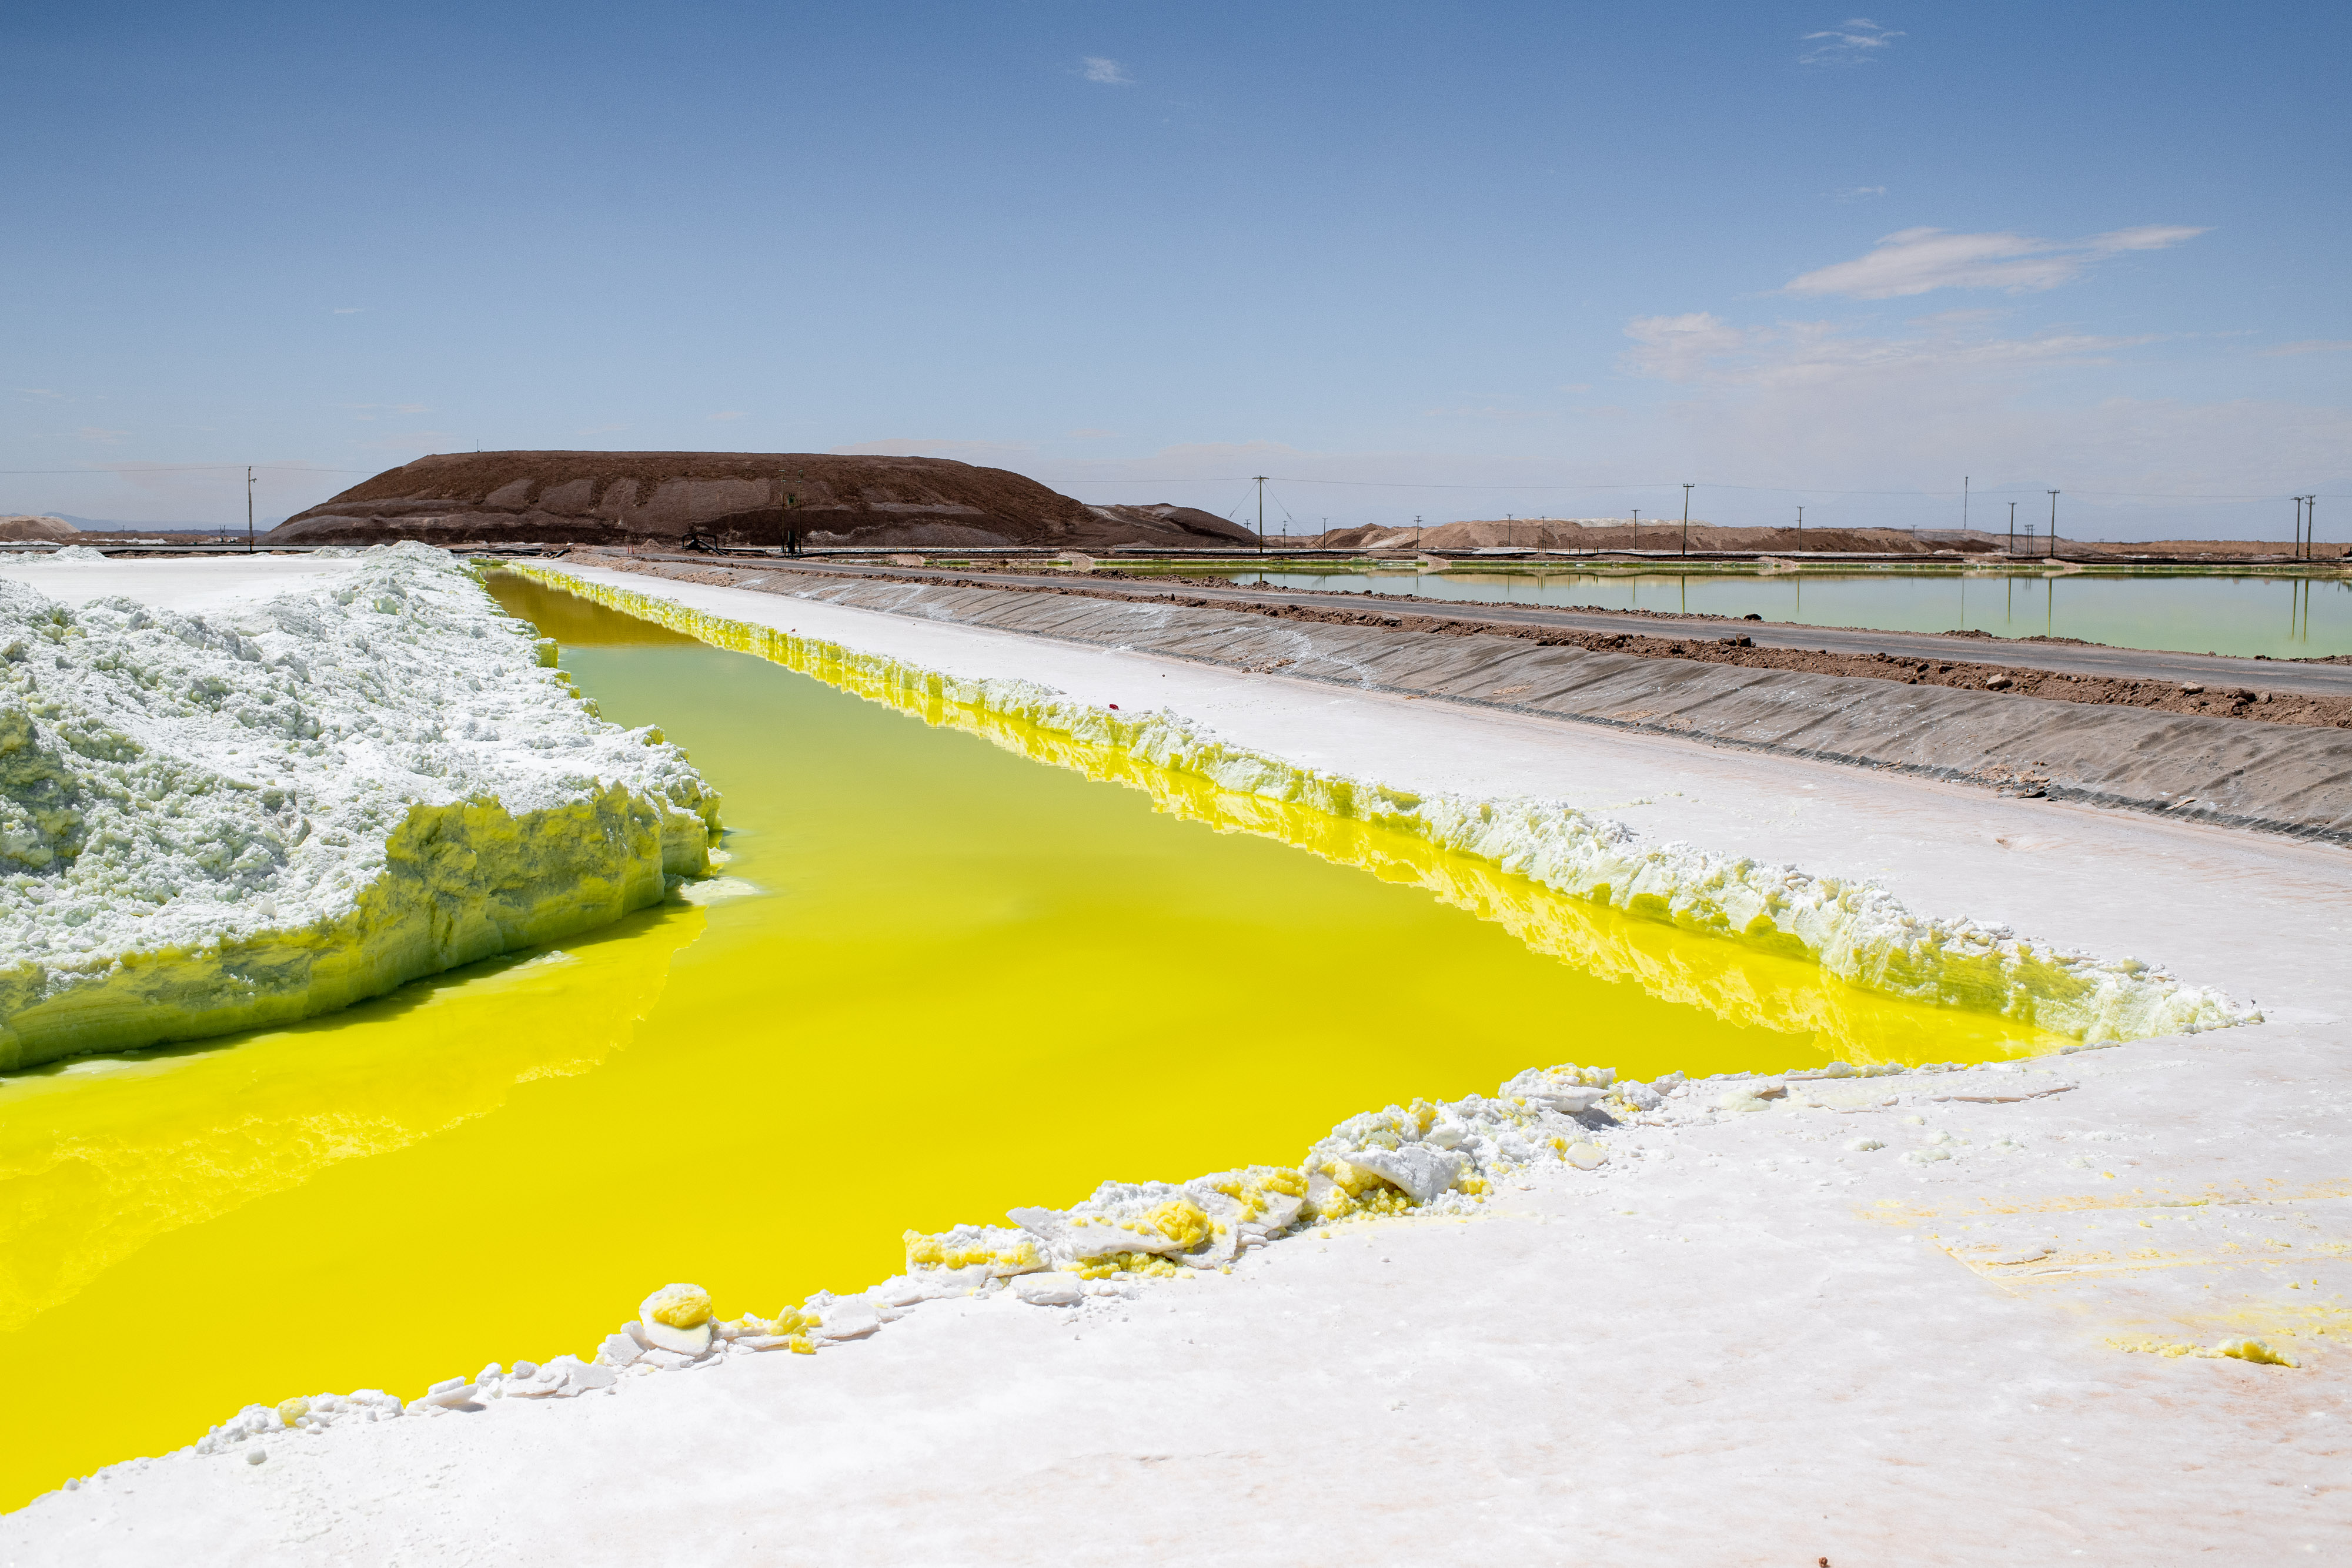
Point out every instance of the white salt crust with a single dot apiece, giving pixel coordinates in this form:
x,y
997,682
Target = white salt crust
x,y
216,822
1428,1159
1855,930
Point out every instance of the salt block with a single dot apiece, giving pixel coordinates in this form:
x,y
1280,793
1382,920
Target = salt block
x,y
677,1318
675,1341
1640,1096
1422,1173
855,1318
538,1383
582,1376
1446,1134
620,1349
1570,1101
1586,1156
448,1393
1055,1289
1081,1237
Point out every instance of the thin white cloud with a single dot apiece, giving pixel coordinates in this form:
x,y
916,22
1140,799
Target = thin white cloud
x,y
1110,73
351,310
2311,346
1855,193
1701,350
1915,261
1855,41
43,394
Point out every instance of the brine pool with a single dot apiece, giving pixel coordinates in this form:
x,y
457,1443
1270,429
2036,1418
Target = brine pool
x,y
946,973
2237,613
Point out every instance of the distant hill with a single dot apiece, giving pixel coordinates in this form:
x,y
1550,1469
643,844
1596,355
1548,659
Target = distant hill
x,y
727,497
1165,517
114,526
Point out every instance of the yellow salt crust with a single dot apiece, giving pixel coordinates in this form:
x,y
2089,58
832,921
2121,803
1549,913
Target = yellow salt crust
x,y
2253,1350
939,1253
679,1306
1180,1220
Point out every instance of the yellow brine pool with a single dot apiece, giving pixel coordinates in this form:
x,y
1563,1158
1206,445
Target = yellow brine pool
x,y
938,978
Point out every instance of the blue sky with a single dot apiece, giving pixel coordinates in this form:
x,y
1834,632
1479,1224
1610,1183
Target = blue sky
x,y
1473,259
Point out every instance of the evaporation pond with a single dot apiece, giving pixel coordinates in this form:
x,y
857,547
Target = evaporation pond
x,y
2186,611
978,970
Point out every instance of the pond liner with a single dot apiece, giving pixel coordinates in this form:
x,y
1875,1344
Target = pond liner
x,y
2291,780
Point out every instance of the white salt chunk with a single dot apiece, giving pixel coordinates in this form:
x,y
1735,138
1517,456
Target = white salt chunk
x,y
1053,1290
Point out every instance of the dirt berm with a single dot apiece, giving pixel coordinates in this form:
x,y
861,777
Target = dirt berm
x,y
27,526
2284,778
730,498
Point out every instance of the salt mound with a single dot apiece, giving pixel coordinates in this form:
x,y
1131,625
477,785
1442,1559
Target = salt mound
x,y
36,526
218,821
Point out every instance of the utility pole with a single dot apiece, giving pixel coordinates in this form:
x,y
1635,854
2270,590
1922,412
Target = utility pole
x,y
1637,527
2311,522
1964,503
248,509
2051,551
1261,513
2013,527
1686,490
1416,530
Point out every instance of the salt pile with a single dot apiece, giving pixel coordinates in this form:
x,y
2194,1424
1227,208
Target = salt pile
x,y
213,823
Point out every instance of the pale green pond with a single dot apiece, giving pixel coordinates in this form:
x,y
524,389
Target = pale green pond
x,y
2242,614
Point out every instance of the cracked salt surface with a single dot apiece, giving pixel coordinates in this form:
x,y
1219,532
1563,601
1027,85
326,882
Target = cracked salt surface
x,y
246,816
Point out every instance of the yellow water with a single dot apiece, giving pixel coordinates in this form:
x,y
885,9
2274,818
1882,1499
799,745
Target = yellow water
x,y
968,981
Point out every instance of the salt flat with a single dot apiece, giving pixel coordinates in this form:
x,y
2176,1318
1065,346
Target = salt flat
x,y
1739,1340
187,584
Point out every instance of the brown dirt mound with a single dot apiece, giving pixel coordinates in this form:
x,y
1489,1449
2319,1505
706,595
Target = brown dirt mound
x,y
26,526
720,498
1177,525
